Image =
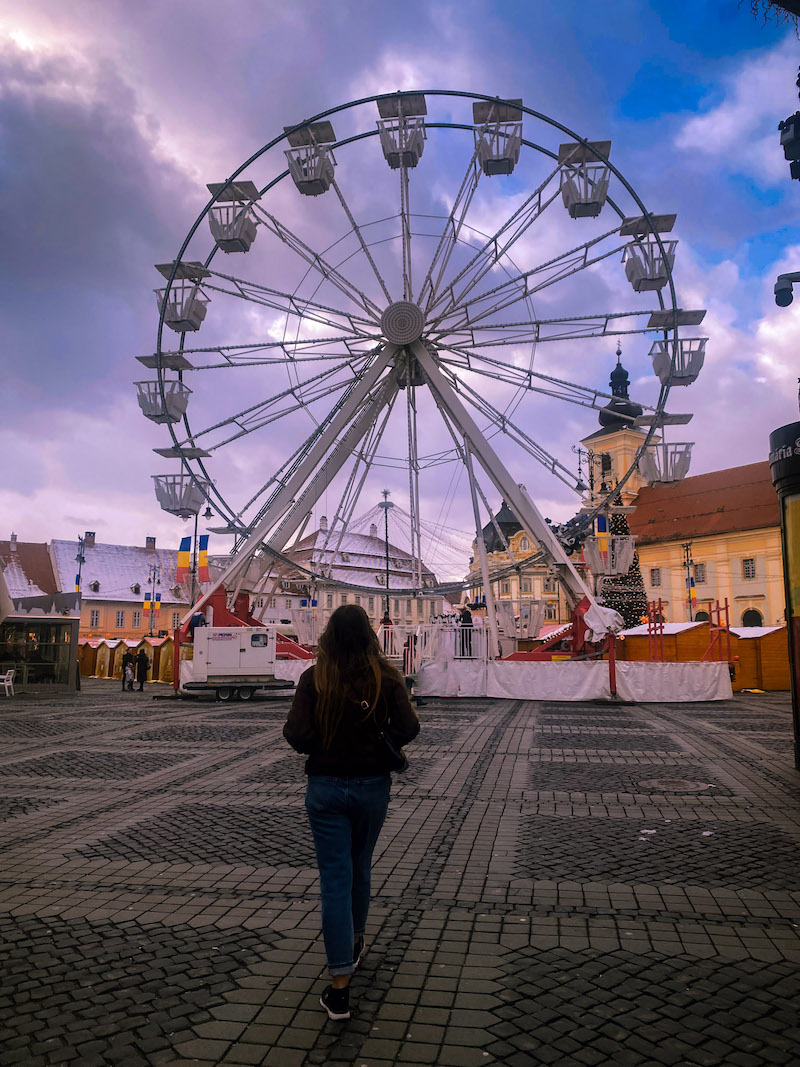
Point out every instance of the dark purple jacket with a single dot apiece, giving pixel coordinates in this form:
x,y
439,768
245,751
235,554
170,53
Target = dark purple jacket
x,y
356,750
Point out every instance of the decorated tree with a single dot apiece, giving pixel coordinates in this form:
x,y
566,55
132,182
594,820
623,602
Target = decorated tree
x,y
625,593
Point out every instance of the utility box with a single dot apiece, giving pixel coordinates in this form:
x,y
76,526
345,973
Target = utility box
x,y
234,653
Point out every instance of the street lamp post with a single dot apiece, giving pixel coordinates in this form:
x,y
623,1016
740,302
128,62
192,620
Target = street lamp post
x,y
153,579
386,504
688,563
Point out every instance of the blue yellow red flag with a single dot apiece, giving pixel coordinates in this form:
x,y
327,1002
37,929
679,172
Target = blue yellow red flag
x,y
184,559
602,533
691,595
77,583
202,559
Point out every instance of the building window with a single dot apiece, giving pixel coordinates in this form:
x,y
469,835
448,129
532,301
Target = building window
x,y
329,600
408,607
94,586
524,544
120,619
420,607
397,607
699,574
752,617
549,585
343,598
136,588
371,603
701,616
137,619
525,585
358,599
505,588
94,618
550,612
748,568
655,576
287,602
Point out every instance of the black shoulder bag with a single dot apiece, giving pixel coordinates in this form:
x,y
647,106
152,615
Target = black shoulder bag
x,y
396,758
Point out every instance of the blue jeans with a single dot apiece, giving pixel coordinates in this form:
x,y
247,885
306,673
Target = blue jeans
x,y
346,816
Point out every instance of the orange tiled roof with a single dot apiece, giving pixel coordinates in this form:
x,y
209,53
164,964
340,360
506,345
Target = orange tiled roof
x,y
740,498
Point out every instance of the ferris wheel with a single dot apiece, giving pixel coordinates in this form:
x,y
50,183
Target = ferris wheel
x,y
426,294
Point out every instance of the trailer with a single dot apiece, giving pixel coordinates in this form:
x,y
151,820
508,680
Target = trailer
x,y
234,662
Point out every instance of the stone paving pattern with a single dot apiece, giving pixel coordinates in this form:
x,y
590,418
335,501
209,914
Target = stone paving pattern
x,y
564,884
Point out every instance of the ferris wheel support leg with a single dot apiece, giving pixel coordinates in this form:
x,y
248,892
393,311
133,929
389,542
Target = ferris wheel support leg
x,y
344,417
491,615
518,500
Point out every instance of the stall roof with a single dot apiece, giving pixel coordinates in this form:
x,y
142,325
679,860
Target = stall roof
x,y
754,631
670,628
727,501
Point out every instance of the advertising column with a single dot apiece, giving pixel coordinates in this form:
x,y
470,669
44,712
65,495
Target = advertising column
x,y
784,458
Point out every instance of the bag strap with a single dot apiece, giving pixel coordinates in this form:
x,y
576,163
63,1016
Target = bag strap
x,y
365,706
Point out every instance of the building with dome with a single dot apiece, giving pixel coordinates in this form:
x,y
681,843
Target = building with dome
x,y
729,519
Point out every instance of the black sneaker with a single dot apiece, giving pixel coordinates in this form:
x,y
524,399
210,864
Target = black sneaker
x,y
358,950
336,1002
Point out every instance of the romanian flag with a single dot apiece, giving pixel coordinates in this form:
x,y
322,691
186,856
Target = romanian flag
x,y
77,583
691,596
184,559
152,605
202,559
602,533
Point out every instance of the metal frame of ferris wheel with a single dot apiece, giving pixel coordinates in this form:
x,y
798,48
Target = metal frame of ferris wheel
x,y
423,337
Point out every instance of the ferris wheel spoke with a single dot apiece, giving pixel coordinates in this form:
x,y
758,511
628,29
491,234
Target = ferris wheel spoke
x,y
523,378
292,306
413,483
256,353
315,260
362,242
266,411
530,331
364,460
405,225
529,282
495,247
503,423
450,234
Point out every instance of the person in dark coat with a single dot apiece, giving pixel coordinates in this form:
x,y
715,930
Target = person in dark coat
x,y
465,621
128,661
142,667
343,708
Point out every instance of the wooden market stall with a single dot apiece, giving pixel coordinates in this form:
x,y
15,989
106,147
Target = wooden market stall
x,y
153,647
88,648
127,644
760,657
682,642
105,652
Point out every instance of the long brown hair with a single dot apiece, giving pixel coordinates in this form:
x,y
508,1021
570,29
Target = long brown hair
x,y
348,652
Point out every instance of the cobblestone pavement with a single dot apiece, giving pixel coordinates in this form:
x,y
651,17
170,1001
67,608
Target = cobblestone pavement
x,y
556,884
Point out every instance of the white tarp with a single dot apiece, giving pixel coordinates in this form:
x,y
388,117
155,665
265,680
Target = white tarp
x,y
602,620
574,680
289,670
671,682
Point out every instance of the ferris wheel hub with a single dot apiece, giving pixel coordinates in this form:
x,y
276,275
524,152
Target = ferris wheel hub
x,y
402,322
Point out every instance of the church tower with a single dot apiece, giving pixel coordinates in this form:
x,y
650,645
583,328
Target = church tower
x,y
617,441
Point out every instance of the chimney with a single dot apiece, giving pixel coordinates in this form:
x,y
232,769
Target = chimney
x,y
88,539
12,544
149,543
323,523
373,530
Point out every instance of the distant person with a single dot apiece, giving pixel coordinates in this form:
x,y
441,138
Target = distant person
x,y
128,664
388,633
465,621
142,667
342,708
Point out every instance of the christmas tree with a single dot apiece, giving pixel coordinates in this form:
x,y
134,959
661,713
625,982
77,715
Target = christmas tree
x,y
625,593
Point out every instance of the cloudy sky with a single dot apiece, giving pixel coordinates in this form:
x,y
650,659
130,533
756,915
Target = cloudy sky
x,y
113,117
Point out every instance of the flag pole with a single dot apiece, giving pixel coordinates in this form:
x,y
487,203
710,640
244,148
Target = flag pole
x,y
194,558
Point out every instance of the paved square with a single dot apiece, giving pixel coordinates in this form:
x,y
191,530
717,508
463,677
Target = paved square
x,y
555,884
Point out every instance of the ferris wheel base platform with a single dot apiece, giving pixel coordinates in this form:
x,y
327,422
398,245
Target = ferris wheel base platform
x,y
636,682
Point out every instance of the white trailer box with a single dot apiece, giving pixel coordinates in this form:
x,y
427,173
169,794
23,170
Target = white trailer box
x,y
234,660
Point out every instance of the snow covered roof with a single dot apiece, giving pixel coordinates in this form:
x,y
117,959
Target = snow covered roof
x,y
27,569
754,631
360,559
669,629
117,568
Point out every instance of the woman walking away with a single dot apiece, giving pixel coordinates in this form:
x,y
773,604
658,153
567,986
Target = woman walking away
x,y
349,711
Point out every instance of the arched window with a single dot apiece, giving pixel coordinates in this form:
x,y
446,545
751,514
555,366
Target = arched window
x,y
752,617
701,616
524,544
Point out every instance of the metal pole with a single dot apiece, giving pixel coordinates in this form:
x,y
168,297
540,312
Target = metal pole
x,y
491,616
688,563
386,505
194,558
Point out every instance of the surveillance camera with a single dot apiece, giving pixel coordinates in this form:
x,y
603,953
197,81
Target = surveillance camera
x,y
783,292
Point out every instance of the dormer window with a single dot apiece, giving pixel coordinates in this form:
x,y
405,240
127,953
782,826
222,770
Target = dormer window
x,y
94,586
136,588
